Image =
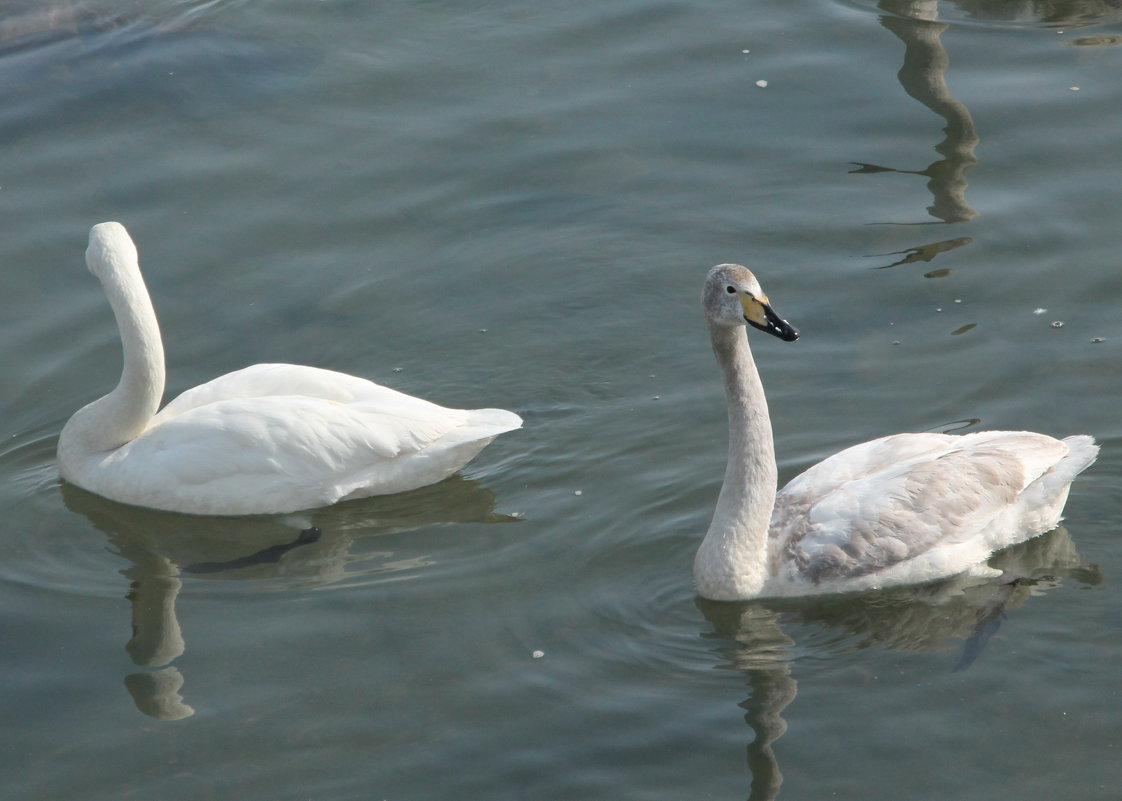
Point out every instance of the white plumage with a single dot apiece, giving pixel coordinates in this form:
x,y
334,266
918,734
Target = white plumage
x,y
901,509
267,439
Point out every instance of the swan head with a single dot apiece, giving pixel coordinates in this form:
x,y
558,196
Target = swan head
x,y
110,249
733,297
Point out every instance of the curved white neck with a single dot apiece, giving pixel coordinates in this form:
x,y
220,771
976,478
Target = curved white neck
x,y
732,560
119,417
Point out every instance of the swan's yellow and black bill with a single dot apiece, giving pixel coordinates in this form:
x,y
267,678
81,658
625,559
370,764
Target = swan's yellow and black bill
x,y
759,314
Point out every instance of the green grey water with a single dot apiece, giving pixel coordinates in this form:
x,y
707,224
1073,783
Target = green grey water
x,y
509,204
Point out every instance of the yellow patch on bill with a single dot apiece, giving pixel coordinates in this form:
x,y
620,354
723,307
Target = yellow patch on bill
x,y
753,310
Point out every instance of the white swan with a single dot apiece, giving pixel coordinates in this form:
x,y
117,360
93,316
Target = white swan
x,y
267,439
901,509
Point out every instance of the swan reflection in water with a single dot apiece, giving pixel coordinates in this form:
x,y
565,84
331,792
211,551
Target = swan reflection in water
x,y
322,547
958,614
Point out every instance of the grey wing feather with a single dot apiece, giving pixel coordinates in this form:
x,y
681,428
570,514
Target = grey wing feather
x,y
887,501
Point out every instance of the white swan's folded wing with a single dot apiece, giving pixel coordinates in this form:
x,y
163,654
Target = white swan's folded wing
x,y
273,452
907,497
284,453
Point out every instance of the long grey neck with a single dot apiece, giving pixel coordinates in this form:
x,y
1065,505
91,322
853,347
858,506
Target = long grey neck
x,y
124,413
734,551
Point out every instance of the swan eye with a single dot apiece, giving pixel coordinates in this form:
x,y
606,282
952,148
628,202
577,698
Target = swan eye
x,y
731,290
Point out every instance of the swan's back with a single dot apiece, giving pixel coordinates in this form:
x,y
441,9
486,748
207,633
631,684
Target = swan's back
x,y
912,507
264,380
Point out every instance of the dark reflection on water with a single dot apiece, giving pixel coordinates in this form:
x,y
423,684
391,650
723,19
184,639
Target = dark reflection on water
x,y
1047,13
926,618
923,76
1035,13
268,555
1104,40
164,550
925,252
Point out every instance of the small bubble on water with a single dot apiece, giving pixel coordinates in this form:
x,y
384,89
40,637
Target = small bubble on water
x,y
1097,340
761,84
1057,323
538,654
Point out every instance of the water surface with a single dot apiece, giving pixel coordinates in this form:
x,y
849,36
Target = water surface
x,y
514,205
